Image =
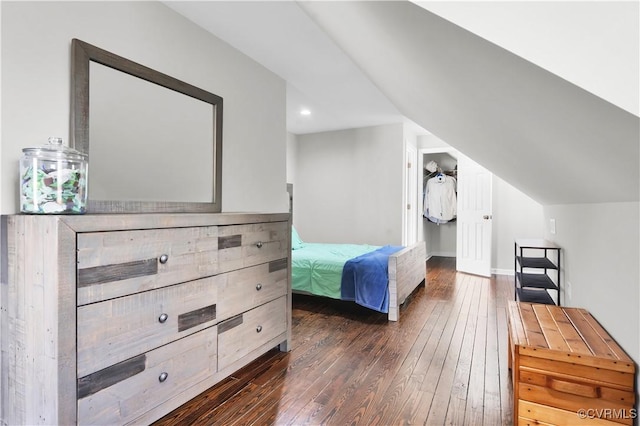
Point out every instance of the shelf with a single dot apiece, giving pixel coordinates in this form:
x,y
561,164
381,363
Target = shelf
x,y
532,285
534,296
536,262
536,244
536,281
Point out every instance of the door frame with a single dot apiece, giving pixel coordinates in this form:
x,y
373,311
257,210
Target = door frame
x,y
410,219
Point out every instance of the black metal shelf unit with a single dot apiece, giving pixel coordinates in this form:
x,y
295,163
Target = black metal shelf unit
x,y
534,275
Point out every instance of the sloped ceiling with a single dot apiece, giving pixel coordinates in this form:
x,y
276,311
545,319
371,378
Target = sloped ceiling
x,y
593,44
320,76
551,139
505,95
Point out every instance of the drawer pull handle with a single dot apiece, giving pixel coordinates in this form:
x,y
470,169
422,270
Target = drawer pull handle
x,y
258,287
163,318
259,245
572,388
163,376
164,258
259,329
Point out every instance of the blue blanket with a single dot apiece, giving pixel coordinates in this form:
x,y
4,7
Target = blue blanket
x,y
365,279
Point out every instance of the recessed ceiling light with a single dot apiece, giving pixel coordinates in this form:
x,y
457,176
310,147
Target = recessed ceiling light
x,y
305,111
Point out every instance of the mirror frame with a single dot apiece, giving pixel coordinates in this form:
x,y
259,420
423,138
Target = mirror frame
x,y
82,55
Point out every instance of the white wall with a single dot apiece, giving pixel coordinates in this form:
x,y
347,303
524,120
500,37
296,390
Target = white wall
x,y
515,215
36,39
292,158
348,186
432,141
601,249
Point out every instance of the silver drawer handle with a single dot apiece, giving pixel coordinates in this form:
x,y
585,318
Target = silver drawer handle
x,y
258,286
259,245
163,376
163,318
164,258
259,329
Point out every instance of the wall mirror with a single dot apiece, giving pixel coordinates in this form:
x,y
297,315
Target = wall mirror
x,y
154,142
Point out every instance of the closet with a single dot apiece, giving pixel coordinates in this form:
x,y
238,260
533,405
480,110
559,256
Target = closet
x,y
441,169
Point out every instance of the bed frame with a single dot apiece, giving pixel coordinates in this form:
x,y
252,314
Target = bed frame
x,y
407,270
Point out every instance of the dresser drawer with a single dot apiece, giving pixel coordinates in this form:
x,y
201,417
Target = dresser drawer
x,y
118,329
243,333
113,264
123,392
240,246
241,290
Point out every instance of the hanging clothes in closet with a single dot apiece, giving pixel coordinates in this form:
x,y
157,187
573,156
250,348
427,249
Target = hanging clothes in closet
x,y
440,201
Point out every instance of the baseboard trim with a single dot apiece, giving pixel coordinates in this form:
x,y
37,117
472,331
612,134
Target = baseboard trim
x,y
494,271
443,254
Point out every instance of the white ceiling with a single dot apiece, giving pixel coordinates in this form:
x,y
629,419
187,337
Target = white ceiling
x,y
319,76
591,44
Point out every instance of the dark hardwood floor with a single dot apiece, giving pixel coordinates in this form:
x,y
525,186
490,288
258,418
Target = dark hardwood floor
x,y
444,362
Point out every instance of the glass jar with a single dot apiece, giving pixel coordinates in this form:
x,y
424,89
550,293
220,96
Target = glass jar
x,y
53,179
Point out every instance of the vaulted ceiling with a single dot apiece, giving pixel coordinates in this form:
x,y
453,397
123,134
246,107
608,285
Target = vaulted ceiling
x,y
320,76
552,139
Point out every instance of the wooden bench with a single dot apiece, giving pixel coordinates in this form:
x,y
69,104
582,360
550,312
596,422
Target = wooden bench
x,y
566,369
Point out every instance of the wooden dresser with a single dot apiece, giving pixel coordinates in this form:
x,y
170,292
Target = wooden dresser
x,y
116,319
566,369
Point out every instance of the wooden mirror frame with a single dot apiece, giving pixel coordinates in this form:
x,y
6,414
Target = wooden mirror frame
x,y
83,54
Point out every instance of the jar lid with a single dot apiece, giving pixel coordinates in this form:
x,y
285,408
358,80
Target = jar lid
x,y
55,149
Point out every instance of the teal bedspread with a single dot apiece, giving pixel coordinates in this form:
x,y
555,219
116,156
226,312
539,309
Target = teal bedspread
x,y
317,268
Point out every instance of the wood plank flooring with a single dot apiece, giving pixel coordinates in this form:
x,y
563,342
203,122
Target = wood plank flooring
x,y
443,363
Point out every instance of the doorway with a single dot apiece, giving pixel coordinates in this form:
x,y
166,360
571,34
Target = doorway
x,y
440,238
468,238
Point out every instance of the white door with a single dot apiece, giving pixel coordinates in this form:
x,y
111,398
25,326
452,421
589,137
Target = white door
x,y
411,196
474,218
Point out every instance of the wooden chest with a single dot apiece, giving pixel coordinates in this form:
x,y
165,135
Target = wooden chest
x,y
119,319
566,369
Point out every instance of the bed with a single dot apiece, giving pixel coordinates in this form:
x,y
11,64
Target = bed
x,y
378,277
